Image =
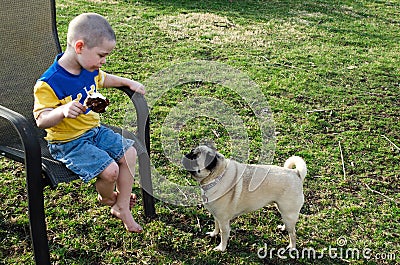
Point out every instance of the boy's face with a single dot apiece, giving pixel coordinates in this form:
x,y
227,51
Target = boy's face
x,y
92,59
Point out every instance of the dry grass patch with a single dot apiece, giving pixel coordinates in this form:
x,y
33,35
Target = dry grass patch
x,y
219,30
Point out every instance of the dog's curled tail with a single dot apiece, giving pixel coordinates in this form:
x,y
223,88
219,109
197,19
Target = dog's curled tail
x,y
299,164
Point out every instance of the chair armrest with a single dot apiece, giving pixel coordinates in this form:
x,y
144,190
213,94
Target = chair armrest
x,y
143,134
28,136
142,112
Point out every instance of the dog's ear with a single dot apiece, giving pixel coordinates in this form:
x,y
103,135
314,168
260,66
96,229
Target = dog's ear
x,y
192,155
211,160
209,144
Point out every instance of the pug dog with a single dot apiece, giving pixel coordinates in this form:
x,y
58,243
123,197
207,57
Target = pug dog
x,y
230,189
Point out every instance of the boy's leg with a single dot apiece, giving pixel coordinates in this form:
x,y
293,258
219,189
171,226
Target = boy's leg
x,y
105,184
132,200
124,183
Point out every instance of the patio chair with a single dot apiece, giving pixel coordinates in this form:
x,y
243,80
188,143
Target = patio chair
x,y
28,45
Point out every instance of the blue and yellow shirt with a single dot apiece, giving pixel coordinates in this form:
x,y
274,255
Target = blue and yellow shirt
x,y
57,87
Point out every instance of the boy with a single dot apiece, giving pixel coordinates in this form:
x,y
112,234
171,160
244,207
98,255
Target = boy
x,y
74,133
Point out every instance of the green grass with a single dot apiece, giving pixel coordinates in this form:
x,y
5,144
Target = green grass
x,y
330,73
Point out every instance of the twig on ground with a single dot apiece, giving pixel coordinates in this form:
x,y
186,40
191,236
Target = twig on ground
x,y
380,193
182,193
341,155
198,223
318,110
398,148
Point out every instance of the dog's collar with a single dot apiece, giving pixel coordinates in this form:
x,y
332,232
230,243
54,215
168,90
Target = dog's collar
x,y
212,184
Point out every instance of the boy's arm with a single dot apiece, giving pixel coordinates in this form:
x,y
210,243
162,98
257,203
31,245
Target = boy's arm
x,y
48,110
116,81
50,118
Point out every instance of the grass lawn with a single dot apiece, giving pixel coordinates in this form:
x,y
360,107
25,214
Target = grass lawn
x,y
261,80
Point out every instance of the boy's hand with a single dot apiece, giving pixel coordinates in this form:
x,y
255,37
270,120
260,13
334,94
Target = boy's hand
x,y
50,118
137,87
73,109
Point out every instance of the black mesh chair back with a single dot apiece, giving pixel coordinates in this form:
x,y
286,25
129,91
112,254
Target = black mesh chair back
x,y
28,46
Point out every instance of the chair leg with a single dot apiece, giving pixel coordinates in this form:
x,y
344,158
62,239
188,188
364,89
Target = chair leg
x,y
147,186
37,218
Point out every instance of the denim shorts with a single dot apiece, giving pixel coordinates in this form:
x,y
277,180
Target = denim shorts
x,y
91,153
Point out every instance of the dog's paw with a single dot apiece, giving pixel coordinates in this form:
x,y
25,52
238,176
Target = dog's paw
x,y
290,248
212,234
281,227
220,248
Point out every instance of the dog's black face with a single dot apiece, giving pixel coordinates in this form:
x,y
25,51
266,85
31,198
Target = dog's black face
x,y
200,161
189,162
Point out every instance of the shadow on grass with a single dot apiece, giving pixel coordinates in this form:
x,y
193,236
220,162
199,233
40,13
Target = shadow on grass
x,y
326,15
251,9
15,233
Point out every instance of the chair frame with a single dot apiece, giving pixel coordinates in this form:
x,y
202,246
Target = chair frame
x,y
35,170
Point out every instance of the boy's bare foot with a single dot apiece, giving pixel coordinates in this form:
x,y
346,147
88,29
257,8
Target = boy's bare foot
x,y
133,200
107,201
112,201
127,218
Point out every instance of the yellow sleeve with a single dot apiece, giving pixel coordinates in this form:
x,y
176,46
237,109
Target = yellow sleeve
x,y
100,79
45,98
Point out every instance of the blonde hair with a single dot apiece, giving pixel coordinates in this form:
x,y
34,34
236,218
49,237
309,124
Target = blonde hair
x,y
92,28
